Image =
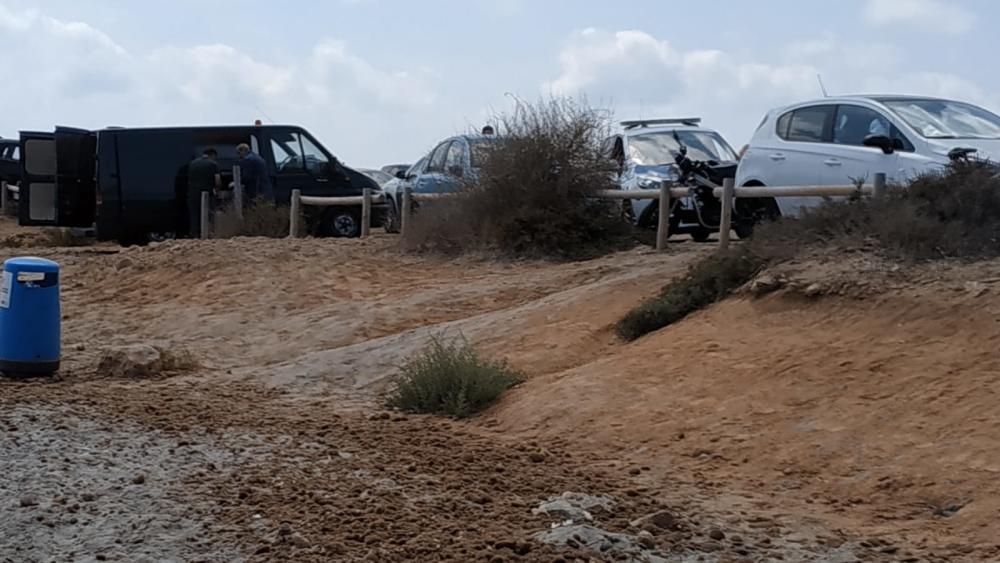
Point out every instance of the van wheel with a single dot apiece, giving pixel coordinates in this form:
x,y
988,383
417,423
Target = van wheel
x,y
391,221
342,222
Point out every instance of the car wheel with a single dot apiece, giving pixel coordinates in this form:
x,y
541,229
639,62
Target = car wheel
x,y
751,212
391,222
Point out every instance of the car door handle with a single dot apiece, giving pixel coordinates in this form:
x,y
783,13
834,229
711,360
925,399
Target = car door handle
x,y
832,162
777,156
324,180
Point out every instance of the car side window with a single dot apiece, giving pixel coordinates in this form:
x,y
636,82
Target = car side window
x,y
783,122
854,123
456,156
811,124
436,163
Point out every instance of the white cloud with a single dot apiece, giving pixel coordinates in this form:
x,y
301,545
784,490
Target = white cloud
x,y
928,15
641,73
78,75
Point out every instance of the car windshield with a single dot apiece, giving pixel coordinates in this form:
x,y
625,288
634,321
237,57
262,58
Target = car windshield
x,y
944,119
660,147
417,168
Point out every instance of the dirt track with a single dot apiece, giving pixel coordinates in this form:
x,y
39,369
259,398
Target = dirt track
x,y
829,430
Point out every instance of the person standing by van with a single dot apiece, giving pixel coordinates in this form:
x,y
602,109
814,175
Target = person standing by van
x,y
256,180
203,176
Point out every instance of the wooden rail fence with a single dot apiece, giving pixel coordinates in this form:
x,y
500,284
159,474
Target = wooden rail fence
x,y
728,193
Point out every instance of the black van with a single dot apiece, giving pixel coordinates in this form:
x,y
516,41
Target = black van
x,y
132,183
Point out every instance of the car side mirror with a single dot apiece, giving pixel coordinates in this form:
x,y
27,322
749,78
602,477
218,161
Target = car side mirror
x,y
881,142
456,170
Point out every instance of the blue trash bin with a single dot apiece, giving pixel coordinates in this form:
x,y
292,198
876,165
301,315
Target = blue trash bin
x,y
30,319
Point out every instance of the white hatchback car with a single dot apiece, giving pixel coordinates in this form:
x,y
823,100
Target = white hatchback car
x,y
839,140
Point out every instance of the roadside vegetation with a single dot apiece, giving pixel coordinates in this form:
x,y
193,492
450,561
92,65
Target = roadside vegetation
x,y
954,214
262,218
451,378
533,194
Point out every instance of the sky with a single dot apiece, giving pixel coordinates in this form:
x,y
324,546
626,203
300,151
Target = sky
x,y
381,81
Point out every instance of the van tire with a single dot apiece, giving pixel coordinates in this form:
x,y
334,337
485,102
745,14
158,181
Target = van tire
x,y
341,222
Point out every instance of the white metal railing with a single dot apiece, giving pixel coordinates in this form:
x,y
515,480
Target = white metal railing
x,y
728,193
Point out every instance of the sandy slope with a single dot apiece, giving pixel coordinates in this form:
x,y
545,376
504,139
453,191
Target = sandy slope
x,y
801,427
878,416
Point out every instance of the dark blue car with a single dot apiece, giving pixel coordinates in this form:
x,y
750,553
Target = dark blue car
x,y
444,169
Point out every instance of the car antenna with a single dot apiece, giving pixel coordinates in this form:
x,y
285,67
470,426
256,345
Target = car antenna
x,y
268,117
822,86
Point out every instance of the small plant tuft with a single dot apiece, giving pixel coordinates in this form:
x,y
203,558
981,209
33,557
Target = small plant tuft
x,y
451,378
705,283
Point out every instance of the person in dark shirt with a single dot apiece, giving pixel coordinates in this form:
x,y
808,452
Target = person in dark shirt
x,y
203,176
256,180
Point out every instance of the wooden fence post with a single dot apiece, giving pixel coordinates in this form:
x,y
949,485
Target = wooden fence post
x,y
206,203
296,214
4,198
663,225
726,224
366,213
405,213
238,191
880,188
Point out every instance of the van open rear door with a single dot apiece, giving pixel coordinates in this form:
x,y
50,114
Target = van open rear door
x,y
59,185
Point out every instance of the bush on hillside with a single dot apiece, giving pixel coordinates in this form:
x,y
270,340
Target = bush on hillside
x,y
533,194
451,378
954,213
706,282
950,214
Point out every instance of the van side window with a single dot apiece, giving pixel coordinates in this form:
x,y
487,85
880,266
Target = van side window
x,y
316,162
286,156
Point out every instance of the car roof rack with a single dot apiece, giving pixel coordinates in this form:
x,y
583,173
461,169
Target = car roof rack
x,y
633,123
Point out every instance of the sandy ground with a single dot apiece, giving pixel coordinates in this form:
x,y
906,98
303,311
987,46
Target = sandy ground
x,y
855,425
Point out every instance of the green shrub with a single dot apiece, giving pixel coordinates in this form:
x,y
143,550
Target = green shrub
x,y
451,378
533,196
705,283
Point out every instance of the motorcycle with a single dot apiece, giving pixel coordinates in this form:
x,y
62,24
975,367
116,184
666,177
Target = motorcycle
x,y
700,213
